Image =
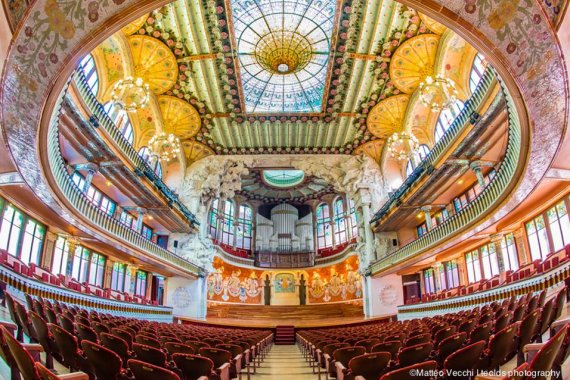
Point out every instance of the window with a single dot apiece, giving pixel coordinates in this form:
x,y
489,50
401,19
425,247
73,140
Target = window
x,y
489,260
353,219
213,221
228,223
60,255
473,266
324,235
451,274
97,269
423,152
118,277
90,71
244,235
429,282
12,223
537,238
121,119
422,230
32,243
94,195
409,168
559,224
146,232
340,221
80,264
509,252
152,160
140,286
446,118
128,220
477,70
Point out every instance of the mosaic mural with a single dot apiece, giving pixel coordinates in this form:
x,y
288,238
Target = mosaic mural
x,y
234,284
284,283
338,282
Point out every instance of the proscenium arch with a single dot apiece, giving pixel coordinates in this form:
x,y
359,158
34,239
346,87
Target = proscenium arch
x,y
30,87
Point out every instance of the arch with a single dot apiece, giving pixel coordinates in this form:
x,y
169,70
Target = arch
x,y
30,86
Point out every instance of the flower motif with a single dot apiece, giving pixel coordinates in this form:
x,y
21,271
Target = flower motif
x,y
503,14
57,21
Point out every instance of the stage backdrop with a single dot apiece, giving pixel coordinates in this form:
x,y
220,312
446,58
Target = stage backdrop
x,y
339,282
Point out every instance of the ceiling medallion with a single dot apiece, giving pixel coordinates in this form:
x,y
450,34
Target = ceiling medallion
x,y
164,146
283,52
131,94
438,93
402,146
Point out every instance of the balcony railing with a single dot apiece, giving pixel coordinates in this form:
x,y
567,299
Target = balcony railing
x,y
489,197
468,115
270,259
102,220
100,119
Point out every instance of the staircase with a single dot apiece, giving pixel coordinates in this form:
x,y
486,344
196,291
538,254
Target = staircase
x,y
285,335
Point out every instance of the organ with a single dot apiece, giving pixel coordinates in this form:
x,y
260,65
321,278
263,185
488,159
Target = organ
x,y
285,231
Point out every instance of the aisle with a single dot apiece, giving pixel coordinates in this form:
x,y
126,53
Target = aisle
x,y
284,362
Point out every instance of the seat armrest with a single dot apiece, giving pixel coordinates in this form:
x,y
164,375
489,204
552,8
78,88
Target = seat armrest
x,y
224,371
531,350
557,325
246,354
203,378
328,359
32,347
74,376
356,378
11,327
237,360
340,370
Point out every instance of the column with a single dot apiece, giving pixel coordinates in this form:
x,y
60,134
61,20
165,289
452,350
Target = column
x,y
48,249
461,266
475,166
72,242
108,273
522,253
140,218
427,216
497,239
91,169
149,277
436,269
132,270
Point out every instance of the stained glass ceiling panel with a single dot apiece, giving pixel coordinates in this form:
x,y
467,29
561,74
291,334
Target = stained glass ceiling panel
x,y
283,48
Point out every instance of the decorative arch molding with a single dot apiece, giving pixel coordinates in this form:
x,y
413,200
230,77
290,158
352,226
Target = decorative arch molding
x,y
48,44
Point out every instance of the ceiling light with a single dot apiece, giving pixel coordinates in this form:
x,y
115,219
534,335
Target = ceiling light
x,y
131,94
403,145
166,147
438,93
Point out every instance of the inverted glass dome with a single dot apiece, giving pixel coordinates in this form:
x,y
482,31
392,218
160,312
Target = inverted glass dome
x,y
283,178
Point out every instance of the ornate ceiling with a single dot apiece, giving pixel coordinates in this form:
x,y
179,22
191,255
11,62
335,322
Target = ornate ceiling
x,y
245,77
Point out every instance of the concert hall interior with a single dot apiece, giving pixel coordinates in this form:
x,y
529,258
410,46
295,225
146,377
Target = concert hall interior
x,y
270,189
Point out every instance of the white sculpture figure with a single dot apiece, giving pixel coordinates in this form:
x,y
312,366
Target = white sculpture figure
x,y
196,249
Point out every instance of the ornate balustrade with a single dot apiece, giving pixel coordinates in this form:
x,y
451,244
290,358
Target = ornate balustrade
x,y
99,218
268,259
490,196
100,119
19,285
553,278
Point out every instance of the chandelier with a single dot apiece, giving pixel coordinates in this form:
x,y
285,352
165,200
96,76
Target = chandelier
x,y
131,93
438,93
166,147
403,145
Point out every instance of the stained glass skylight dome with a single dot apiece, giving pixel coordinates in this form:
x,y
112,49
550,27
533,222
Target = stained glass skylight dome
x,y
283,178
283,48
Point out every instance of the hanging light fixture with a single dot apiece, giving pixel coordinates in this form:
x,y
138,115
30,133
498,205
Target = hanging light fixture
x,y
131,93
402,145
166,147
438,93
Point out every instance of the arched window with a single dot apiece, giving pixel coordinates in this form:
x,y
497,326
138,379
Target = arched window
x,y
324,234
340,221
446,118
353,219
90,71
152,160
213,219
423,152
477,70
228,223
121,119
243,233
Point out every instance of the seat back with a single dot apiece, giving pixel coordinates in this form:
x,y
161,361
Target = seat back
x,y
51,316
450,345
369,366
481,332
124,335
422,371
234,349
66,345
25,323
149,354
104,363
193,366
503,321
41,331
116,344
196,345
66,323
519,312
146,371
501,346
544,359
443,333
100,328
392,347
21,357
147,341
343,355
212,341
528,328
367,343
85,332
467,326
415,354
330,348
465,358
418,339
546,316
178,348
559,302
216,355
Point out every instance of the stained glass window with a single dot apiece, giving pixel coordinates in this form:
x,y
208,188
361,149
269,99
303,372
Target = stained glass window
x,y
509,251
12,223
489,260
32,243
121,119
213,221
324,233
283,178
429,282
152,160
97,269
446,118
340,221
90,71
60,255
353,219
451,274
559,224
118,277
538,238
140,286
477,70
243,233
228,223
283,48
80,264
473,266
